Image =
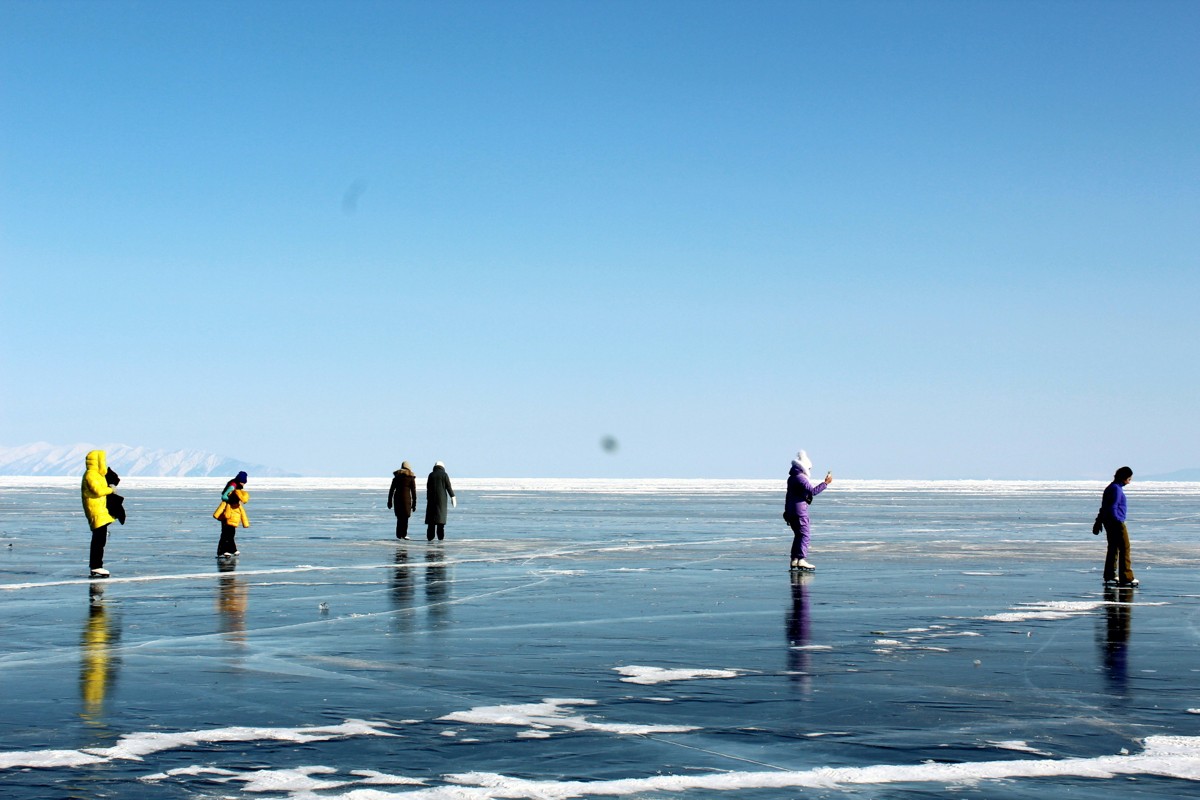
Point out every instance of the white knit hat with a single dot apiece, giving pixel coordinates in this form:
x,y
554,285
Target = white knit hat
x,y
803,460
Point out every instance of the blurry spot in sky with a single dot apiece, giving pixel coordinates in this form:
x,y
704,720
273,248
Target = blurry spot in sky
x,y
350,198
609,443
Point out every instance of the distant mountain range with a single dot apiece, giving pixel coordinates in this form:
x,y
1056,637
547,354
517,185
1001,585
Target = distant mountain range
x,y
41,458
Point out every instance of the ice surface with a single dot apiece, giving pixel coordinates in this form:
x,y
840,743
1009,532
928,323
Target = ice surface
x,y
599,640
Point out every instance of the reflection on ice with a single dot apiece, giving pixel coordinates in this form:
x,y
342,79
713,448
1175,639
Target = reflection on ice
x,y
232,598
599,644
1114,642
99,667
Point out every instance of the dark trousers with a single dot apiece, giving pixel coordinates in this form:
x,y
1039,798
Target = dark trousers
x,y
1118,565
435,529
96,555
227,543
402,526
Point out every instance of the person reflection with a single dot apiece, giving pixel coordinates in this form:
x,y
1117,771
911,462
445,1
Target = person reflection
x,y
799,633
437,586
232,595
402,590
98,668
1114,640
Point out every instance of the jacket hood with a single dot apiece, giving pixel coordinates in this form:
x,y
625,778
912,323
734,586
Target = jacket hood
x,y
96,460
404,471
797,468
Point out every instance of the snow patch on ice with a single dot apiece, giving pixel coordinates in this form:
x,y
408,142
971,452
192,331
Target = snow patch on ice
x,y
1019,746
651,675
135,746
1165,756
191,771
47,759
551,715
297,779
1054,610
1176,757
374,778
1047,610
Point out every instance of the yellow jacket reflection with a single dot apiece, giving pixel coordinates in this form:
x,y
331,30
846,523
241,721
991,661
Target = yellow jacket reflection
x,y
98,666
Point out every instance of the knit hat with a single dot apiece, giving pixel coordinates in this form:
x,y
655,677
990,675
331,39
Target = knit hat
x,y
242,477
406,465
803,460
440,464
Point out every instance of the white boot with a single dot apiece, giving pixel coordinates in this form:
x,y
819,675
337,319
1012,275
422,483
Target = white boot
x,y
795,563
803,564
100,572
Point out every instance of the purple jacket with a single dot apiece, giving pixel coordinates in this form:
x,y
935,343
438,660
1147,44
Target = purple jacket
x,y
1112,504
800,492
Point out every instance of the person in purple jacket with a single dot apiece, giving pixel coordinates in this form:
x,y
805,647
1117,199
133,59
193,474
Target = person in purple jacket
x,y
1118,566
800,492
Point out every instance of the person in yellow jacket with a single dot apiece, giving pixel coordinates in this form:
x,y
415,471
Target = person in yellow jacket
x,y
232,515
95,491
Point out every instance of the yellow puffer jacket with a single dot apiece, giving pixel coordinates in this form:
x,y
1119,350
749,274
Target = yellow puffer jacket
x,y
234,515
95,488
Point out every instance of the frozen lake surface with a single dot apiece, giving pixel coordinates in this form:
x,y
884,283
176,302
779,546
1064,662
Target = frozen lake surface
x,y
602,639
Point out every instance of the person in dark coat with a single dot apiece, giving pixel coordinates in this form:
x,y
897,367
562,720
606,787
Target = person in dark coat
x,y
1118,566
402,498
437,490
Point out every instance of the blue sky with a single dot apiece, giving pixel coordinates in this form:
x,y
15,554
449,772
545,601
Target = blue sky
x,y
924,240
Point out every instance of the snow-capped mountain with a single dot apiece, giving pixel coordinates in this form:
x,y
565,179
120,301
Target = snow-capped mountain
x,y
48,459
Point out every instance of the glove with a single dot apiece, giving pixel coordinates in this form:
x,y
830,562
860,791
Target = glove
x,y
454,502
1097,526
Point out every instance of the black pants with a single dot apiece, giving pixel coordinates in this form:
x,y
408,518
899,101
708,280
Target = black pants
x,y
402,526
1118,565
227,543
99,539
435,528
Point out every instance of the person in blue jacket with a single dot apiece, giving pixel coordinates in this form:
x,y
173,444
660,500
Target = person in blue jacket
x,y
1118,566
800,492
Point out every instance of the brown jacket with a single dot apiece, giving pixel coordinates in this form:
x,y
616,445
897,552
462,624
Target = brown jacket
x,y
402,496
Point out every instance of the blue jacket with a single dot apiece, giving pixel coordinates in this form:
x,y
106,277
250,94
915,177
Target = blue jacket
x,y
1112,505
800,492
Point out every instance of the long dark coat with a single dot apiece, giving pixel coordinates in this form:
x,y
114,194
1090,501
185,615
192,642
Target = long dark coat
x,y
402,495
437,492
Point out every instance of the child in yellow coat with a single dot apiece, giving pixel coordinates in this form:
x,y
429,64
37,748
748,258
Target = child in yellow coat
x,y
232,515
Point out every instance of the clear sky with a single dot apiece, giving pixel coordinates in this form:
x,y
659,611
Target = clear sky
x,y
918,239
